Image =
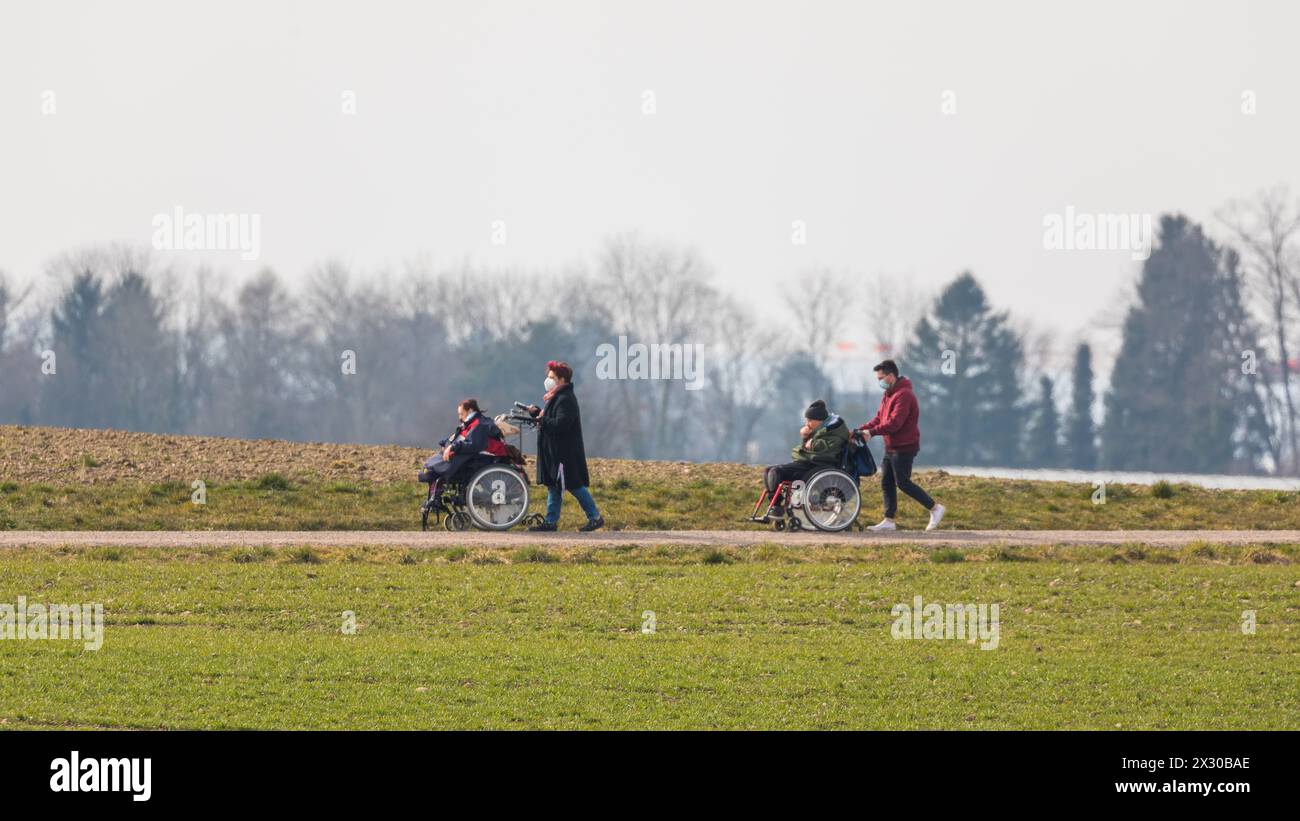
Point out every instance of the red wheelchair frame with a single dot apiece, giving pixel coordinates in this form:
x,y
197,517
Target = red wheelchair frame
x,y
799,514
782,492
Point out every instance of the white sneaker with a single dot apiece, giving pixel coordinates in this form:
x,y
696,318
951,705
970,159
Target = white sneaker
x,y
936,516
885,524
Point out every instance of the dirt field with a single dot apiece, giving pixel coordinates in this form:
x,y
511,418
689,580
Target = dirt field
x,y
40,454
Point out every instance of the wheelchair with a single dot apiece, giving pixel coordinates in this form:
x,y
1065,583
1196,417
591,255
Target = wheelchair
x,y
489,493
827,499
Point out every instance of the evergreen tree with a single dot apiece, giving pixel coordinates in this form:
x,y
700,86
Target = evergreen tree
x,y
71,394
965,363
1176,392
140,363
1081,433
1044,448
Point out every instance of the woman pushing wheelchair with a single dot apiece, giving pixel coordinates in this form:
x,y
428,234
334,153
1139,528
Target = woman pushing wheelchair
x,y
561,457
478,480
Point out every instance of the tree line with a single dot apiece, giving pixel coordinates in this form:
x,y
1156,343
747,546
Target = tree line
x,y
1204,380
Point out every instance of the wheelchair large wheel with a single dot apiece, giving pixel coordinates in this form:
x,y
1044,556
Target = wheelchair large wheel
x,y
496,498
831,500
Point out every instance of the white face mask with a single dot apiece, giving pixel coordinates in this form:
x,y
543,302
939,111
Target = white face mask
x,y
550,384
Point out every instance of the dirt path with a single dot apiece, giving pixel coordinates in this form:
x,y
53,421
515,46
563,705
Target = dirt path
x,y
956,538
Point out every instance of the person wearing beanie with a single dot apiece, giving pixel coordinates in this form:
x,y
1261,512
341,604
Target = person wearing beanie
x,y
822,441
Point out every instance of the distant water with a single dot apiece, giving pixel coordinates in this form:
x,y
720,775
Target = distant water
x,y
1128,477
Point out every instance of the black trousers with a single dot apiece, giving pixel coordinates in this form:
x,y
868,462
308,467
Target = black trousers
x,y
896,475
788,472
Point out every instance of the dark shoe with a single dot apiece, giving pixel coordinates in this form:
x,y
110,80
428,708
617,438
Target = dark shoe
x,y
593,524
544,527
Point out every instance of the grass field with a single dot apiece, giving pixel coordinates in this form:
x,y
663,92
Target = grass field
x,y
767,637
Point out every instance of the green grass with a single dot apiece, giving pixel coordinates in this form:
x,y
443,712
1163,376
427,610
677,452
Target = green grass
x,y
764,637
273,502
273,481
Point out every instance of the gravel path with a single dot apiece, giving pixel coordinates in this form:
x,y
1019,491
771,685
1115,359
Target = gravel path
x,y
957,538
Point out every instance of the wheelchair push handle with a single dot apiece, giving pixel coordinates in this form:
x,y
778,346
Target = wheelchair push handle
x,y
521,414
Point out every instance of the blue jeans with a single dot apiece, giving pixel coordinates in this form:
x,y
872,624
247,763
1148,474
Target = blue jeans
x,y
555,499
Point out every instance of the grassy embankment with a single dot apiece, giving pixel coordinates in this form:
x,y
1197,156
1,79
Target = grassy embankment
x,y
54,479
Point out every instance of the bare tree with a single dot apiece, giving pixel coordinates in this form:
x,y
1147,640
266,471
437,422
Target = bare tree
x,y
17,379
654,293
740,381
198,306
261,362
11,301
479,303
820,305
891,309
1267,227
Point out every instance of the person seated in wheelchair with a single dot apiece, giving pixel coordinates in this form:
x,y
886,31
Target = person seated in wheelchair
x,y
822,441
476,436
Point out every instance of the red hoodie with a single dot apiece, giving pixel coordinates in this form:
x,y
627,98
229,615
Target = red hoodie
x,y
897,418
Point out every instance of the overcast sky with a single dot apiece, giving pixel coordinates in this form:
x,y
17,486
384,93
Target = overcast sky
x,y
534,114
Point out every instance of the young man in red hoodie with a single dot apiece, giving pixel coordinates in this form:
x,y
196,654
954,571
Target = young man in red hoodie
x,y
897,422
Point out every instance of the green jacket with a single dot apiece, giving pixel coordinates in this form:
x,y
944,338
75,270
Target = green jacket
x,y
826,445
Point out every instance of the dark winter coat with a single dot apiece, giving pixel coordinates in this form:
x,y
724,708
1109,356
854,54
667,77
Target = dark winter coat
x,y
559,442
475,436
